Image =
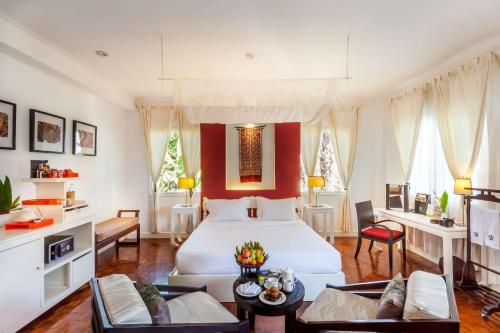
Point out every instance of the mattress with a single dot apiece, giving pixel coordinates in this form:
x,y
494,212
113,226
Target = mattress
x,y
210,248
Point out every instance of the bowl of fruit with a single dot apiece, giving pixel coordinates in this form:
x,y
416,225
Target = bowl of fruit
x,y
250,255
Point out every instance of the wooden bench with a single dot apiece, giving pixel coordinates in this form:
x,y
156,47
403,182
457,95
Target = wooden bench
x,y
118,227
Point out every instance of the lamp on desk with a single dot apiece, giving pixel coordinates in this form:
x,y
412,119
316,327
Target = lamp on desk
x,y
187,183
461,188
316,182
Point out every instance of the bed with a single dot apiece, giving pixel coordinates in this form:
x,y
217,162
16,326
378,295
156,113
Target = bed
x,y
207,255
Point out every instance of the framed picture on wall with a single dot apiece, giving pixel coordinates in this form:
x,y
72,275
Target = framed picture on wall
x,y
7,125
84,139
47,132
250,150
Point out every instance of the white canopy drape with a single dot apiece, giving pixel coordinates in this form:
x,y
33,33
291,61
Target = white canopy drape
x,y
406,113
343,126
157,122
254,101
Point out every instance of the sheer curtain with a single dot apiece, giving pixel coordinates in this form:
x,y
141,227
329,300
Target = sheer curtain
x,y
190,145
157,122
490,256
310,134
406,113
459,99
343,126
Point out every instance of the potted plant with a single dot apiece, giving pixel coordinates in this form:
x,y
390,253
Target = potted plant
x,y
6,203
443,204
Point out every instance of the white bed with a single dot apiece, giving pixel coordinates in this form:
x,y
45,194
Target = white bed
x,y
207,255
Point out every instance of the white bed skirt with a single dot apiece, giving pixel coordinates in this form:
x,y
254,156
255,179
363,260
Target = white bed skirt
x,y
221,286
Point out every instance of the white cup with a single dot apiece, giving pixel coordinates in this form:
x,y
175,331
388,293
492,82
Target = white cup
x,y
271,282
287,274
288,285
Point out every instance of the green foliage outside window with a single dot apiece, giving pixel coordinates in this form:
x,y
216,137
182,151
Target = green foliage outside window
x,y
173,166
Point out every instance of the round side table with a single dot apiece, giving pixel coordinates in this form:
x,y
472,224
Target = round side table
x,y
253,306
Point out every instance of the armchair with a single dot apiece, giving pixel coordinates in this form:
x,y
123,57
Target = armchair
x,y
362,319
102,324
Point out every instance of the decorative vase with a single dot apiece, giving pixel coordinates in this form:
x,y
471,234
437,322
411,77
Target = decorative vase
x,y
5,218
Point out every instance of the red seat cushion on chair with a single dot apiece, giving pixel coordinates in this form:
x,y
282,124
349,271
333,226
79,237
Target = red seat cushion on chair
x,y
381,233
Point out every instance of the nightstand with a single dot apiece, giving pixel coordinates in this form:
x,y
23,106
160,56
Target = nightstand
x,y
193,212
328,218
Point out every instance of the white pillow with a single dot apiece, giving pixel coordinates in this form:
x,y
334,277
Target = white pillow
x,y
426,297
277,209
228,209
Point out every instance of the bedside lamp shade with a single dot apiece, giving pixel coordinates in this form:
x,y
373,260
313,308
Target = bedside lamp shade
x,y
186,183
461,184
315,181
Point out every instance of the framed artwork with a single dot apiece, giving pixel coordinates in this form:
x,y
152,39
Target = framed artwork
x,y
84,139
396,189
7,125
250,157
47,132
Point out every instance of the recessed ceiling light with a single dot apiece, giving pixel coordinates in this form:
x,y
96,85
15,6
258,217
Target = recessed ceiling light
x,y
250,55
101,53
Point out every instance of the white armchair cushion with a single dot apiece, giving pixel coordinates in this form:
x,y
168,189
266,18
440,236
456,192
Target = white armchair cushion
x,y
426,297
334,305
122,301
198,307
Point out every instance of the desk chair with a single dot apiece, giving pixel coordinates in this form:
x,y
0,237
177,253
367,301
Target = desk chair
x,y
371,229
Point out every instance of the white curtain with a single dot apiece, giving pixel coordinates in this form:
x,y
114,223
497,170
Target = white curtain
x,y
459,99
310,135
157,122
406,113
190,145
254,101
343,126
491,257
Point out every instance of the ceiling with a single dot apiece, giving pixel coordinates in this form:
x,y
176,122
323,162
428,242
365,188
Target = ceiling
x,y
391,40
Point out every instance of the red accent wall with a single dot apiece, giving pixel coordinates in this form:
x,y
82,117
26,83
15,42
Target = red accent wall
x,y
213,163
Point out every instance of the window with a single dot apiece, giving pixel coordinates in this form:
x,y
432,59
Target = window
x,y
430,173
326,166
173,166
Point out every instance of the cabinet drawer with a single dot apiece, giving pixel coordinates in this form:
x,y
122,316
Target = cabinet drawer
x,y
73,214
83,269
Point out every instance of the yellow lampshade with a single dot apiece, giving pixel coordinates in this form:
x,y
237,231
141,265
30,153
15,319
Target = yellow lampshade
x,y
315,181
186,183
460,186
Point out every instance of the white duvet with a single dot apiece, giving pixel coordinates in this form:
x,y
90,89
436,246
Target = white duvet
x,y
209,250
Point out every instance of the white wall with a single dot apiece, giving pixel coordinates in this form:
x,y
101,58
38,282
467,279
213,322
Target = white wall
x,y
103,181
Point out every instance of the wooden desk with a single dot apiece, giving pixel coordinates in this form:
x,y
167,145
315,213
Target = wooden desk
x,y
422,223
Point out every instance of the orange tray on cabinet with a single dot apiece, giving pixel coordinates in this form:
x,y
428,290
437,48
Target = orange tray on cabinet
x,y
28,225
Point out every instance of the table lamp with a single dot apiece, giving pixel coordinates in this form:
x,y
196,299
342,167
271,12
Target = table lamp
x,y
461,188
316,182
186,183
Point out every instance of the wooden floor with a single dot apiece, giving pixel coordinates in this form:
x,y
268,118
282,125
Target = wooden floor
x,y
157,258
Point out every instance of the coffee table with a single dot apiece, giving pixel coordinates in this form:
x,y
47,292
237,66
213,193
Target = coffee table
x,y
253,306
